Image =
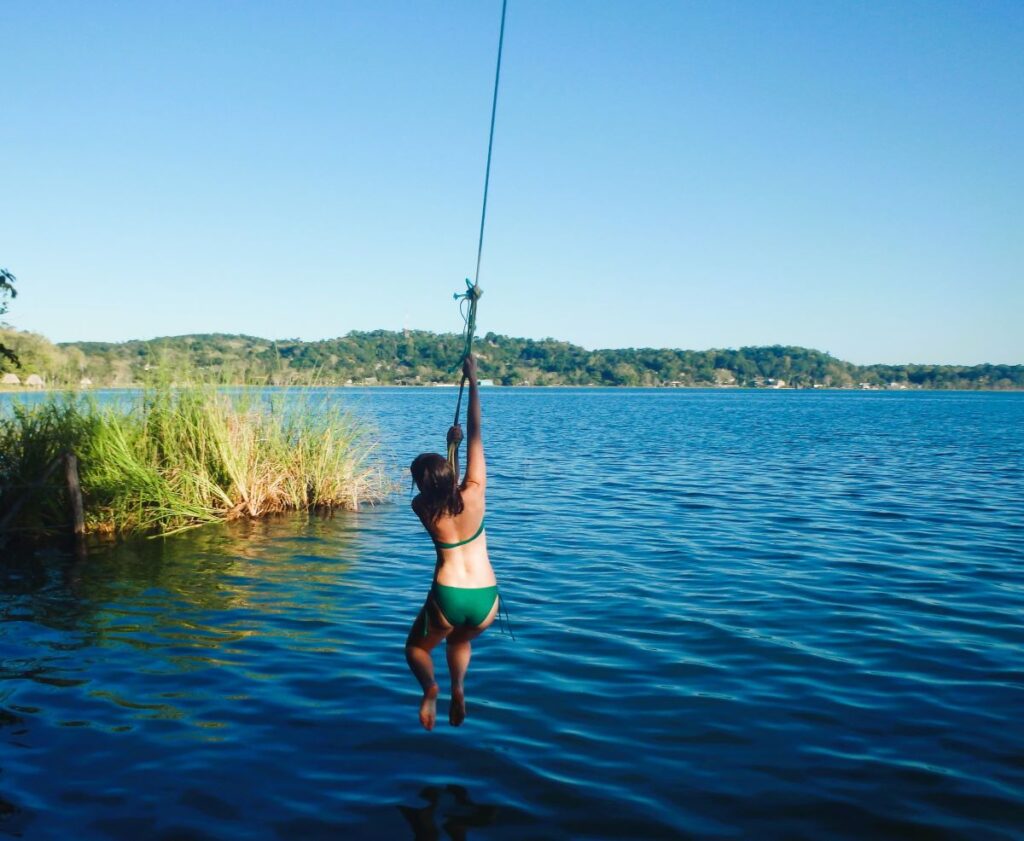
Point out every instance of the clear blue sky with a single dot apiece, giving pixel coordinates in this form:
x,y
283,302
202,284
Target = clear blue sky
x,y
844,176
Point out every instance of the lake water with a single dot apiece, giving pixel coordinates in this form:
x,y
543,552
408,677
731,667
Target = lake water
x,y
739,614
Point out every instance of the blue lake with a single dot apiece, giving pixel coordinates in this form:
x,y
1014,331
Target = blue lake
x,y
739,614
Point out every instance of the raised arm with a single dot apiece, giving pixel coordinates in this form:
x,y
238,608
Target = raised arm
x,y
476,469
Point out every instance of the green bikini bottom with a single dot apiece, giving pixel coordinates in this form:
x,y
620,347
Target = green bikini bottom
x,y
463,607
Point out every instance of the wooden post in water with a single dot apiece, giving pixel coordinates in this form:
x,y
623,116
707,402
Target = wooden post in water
x,y
75,507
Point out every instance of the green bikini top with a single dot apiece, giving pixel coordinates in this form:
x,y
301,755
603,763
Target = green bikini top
x,y
441,545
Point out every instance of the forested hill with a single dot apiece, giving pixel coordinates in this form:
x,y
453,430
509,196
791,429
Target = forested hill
x,y
419,358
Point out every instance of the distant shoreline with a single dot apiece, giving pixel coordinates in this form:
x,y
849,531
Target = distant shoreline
x,y
420,358
379,386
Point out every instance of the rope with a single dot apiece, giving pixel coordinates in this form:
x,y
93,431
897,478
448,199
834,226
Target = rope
x,y
490,143
473,291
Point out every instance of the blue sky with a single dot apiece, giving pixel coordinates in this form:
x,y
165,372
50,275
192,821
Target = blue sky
x,y
844,176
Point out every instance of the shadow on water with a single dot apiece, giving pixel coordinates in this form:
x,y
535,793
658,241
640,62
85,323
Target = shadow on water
x,y
448,808
13,821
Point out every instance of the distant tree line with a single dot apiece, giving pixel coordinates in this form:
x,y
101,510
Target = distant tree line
x,y
418,358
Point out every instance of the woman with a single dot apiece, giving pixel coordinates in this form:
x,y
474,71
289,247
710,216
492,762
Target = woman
x,y
463,598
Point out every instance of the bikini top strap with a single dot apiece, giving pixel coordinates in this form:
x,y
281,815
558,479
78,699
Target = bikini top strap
x,y
441,545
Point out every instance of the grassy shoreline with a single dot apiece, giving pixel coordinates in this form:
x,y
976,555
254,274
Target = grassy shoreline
x,y
175,458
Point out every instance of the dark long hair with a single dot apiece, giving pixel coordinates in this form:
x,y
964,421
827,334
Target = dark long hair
x,y
439,488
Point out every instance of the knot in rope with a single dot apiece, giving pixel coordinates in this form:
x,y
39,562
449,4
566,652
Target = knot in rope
x,y
471,297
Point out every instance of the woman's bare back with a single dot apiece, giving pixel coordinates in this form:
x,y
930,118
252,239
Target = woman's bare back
x,y
466,565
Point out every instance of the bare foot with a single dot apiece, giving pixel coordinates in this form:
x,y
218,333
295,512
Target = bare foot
x,y
457,708
428,708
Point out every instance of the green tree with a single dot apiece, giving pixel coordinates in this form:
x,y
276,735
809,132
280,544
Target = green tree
x,y
419,357
7,290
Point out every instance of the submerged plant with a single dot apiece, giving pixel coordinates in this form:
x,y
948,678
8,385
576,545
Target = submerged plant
x,y
177,457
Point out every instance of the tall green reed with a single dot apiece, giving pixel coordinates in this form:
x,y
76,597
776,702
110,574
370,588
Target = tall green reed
x,y
177,457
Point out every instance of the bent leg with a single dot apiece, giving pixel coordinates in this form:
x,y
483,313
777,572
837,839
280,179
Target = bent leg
x,y
421,663
458,652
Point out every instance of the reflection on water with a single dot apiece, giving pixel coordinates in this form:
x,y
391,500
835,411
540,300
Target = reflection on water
x,y
783,616
448,808
173,607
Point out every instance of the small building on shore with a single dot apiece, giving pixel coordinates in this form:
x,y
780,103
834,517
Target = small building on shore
x,y
10,379
35,381
85,382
